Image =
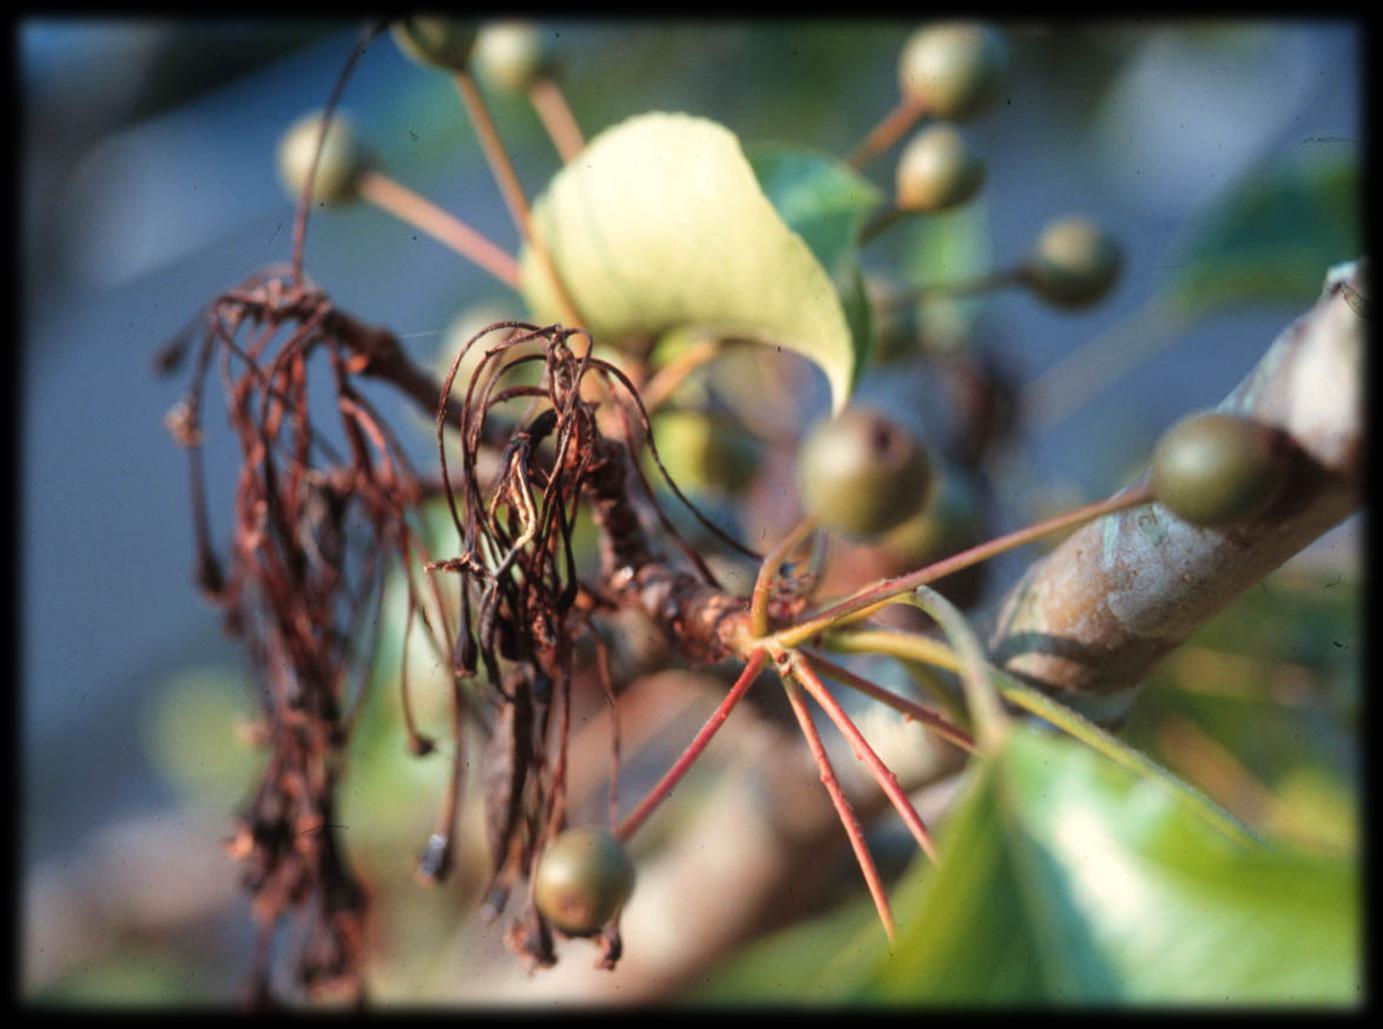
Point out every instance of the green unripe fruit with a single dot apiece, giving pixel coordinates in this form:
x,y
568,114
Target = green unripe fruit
x,y
582,881
699,453
1213,468
938,169
510,55
344,159
860,475
953,70
1074,263
444,43
949,522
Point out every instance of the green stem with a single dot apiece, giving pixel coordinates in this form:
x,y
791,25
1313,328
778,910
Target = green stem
x,y
768,571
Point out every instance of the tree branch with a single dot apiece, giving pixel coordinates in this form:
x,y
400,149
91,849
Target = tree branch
x,y
1090,620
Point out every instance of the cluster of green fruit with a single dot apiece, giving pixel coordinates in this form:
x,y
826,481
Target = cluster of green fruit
x,y
953,73
510,56
867,478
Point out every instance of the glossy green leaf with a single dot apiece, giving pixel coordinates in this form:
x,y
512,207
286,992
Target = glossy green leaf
x,y
820,198
1070,881
826,202
661,223
1117,750
1272,238
1066,879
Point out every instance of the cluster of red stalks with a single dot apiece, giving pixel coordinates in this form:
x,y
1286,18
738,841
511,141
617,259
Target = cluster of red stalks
x,y
317,526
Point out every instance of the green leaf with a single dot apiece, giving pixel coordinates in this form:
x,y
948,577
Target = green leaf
x,y
1272,238
1066,879
1120,752
820,198
661,223
826,202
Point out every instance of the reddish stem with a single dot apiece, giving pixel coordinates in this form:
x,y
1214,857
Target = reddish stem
x,y
441,225
883,775
890,129
873,597
939,724
555,114
674,774
843,809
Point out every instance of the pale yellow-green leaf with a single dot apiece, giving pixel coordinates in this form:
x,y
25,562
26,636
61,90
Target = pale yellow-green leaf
x,y
661,223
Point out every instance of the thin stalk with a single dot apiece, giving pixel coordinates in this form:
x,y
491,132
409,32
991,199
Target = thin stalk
x,y
555,113
673,775
986,712
768,571
665,382
883,775
843,809
441,225
508,181
881,222
908,646
872,598
1003,278
942,726
1098,363
891,128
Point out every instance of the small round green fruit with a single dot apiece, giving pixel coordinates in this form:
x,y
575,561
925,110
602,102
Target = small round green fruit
x,y
937,170
344,159
700,453
953,70
1074,263
510,55
862,474
1213,469
949,522
583,880
444,43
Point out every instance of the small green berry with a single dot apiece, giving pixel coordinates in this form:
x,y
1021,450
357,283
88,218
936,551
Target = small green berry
x,y
1074,263
1214,468
701,454
344,159
938,169
510,55
953,70
949,522
582,881
444,43
861,474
